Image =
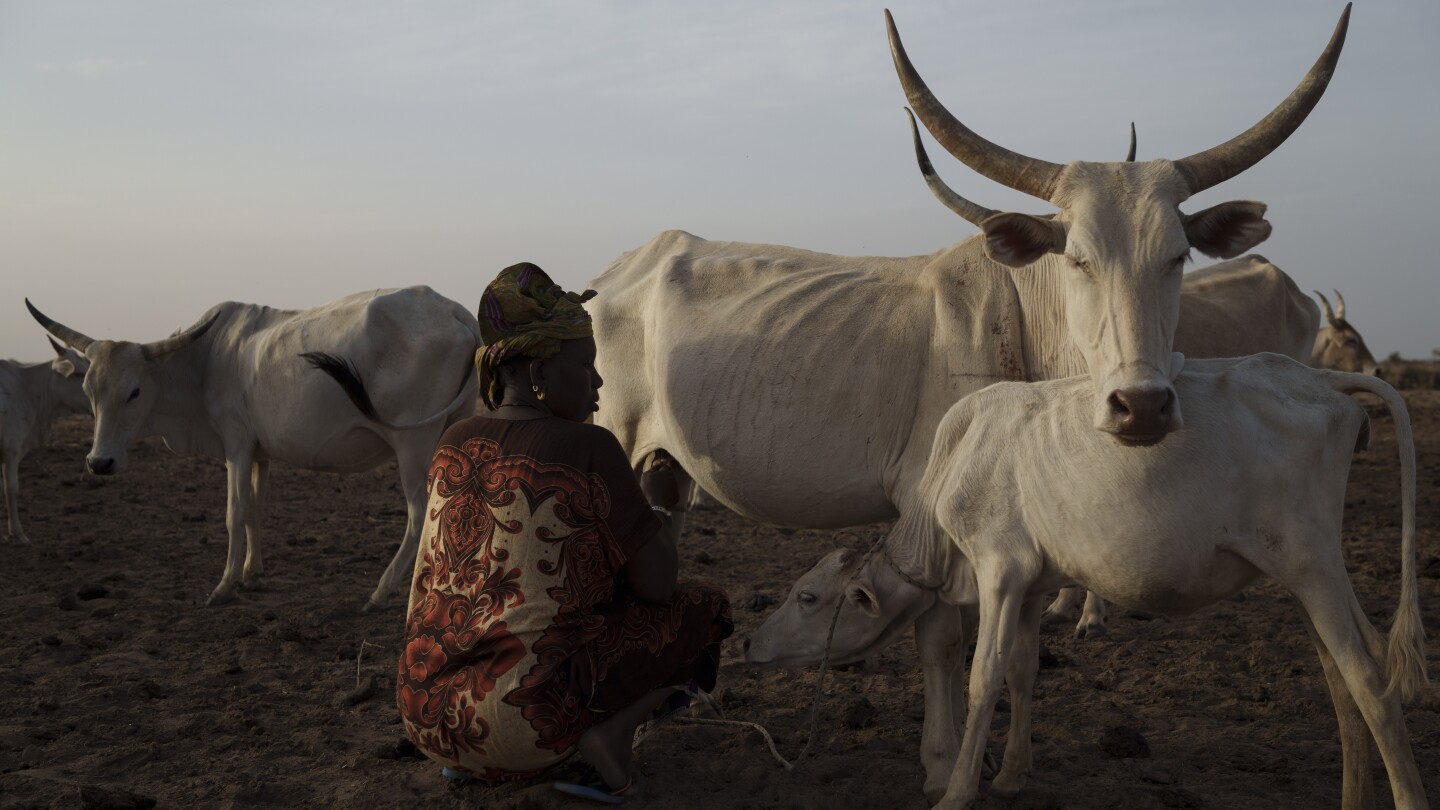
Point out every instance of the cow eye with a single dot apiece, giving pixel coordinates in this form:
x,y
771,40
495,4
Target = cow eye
x,y
133,395
805,597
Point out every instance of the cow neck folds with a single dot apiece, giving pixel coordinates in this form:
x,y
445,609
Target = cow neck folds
x,y
1045,333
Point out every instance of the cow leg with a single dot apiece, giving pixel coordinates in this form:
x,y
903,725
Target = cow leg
x,y
1021,668
412,455
940,635
1065,602
237,515
254,564
1358,653
1359,789
1092,618
1002,596
12,499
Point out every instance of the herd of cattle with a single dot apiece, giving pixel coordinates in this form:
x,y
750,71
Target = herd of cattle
x,y
1030,403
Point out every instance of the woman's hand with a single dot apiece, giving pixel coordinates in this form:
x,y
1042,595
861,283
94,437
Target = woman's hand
x,y
658,481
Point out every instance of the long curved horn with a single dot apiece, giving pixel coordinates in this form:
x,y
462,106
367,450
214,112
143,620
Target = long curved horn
x,y
972,213
1220,163
1130,156
180,341
1329,313
1339,304
79,341
1034,177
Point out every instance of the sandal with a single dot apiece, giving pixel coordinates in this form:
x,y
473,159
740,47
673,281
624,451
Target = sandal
x,y
590,786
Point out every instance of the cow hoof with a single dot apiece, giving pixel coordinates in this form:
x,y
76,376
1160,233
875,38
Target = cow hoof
x,y
1006,785
221,596
372,606
20,539
253,583
1051,618
1090,631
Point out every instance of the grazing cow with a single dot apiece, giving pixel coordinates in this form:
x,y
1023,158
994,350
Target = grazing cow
x,y
235,387
1337,345
31,396
1021,495
803,389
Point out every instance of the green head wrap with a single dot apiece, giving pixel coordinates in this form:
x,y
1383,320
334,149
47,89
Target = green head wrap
x,y
524,313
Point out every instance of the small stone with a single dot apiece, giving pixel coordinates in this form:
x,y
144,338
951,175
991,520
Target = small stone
x,y
51,640
89,592
703,558
861,713
1124,742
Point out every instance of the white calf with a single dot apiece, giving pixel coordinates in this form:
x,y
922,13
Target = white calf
x,y
31,396
1022,496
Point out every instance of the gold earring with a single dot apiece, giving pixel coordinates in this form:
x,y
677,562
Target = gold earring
x,y
540,395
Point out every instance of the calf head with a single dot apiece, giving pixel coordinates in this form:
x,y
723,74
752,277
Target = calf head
x,y
1338,345
876,607
120,384
1120,236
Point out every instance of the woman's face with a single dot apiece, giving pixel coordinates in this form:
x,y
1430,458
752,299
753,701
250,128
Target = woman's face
x,y
569,380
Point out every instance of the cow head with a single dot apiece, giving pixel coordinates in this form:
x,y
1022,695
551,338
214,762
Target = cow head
x,y
1338,345
1120,237
120,384
876,607
66,387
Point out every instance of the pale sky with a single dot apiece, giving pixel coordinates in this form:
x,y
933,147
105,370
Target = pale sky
x,y
158,157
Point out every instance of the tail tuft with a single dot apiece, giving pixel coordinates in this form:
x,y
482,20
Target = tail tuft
x,y
344,373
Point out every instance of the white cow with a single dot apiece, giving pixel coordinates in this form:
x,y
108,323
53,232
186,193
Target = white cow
x,y
235,387
803,389
1021,495
31,396
1338,345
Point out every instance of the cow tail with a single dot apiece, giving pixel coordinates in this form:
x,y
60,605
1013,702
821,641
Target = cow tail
x,y
1405,655
345,374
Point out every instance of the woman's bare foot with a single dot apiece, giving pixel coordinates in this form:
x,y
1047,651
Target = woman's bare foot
x,y
607,745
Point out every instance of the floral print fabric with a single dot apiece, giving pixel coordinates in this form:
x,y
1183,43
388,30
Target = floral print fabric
x,y
516,610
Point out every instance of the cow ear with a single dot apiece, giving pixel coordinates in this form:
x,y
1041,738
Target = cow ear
x,y
1228,229
64,368
1016,240
863,598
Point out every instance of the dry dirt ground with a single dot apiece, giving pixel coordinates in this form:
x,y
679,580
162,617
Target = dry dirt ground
x,y
119,688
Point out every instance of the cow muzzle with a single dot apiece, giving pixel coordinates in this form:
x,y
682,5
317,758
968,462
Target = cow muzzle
x,y
101,465
1140,416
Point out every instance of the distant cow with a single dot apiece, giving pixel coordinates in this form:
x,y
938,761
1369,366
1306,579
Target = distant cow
x,y
1338,345
235,387
31,396
1022,495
